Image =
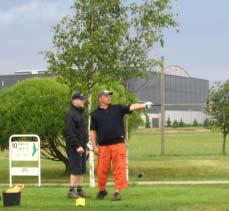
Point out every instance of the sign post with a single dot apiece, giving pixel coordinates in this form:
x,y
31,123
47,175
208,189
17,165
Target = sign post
x,y
24,151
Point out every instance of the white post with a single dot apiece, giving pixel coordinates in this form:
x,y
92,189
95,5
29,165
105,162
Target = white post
x,y
10,164
127,136
39,161
92,175
91,153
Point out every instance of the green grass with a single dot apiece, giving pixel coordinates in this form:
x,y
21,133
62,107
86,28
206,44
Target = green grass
x,y
145,143
191,153
179,198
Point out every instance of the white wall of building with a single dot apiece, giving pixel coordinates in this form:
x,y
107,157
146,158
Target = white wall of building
x,y
187,117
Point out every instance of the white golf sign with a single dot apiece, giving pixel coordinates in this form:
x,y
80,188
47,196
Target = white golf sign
x,y
24,151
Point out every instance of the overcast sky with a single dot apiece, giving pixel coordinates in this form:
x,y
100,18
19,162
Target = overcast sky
x,y
201,47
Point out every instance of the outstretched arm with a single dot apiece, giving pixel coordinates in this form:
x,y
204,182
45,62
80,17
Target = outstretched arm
x,y
140,106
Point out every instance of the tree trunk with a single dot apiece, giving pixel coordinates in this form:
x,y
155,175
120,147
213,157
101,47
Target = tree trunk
x,y
91,153
127,135
224,143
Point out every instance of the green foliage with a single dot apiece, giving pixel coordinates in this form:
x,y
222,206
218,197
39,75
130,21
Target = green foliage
x,y
86,42
195,123
112,37
206,123
218,110
34,106
175,124
145,24
181,123
218,107
169,123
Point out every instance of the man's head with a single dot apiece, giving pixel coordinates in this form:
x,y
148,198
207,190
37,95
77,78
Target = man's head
x,y
78,100
105,97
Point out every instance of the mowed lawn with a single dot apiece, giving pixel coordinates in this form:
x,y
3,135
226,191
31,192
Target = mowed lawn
x,y
191,154
166,198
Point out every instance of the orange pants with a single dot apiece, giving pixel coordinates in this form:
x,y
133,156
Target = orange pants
x,y
114,155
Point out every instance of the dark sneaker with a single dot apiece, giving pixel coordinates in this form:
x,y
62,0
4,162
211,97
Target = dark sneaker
x,y
101,195
116,197
72,195
82,194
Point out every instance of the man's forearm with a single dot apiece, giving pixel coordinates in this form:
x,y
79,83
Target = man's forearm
x,y
140,106
137,106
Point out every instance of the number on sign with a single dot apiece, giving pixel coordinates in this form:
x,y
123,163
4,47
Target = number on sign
x,y
14,145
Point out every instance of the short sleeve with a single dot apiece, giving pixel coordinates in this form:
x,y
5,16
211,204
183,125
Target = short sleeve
x,y
93,125
125,109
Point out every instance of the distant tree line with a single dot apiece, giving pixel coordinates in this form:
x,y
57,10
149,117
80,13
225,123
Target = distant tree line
x,y
181,123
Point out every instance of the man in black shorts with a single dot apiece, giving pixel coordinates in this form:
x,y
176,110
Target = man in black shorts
x,y
76,139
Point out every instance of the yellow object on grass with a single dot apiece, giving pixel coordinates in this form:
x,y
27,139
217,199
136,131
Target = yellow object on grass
x,y
80,202
17,188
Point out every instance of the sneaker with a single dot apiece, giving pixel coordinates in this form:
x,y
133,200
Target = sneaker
x,y
81,193
116,197
72,195
101,195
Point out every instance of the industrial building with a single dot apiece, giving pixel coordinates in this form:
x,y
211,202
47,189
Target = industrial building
x,y
184,96
9,80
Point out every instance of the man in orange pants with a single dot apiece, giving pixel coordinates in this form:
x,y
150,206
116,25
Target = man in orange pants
x,y
108,141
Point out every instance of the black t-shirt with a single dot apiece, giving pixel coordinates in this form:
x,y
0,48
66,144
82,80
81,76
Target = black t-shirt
x,y
109,124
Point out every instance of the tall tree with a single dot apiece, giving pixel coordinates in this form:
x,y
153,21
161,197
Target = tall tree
x,y
86,43
218,110
111,37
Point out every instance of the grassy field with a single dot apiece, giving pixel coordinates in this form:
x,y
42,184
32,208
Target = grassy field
x,y
191,153
166,198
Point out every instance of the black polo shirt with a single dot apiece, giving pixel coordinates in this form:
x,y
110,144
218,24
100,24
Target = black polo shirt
x,y
109,124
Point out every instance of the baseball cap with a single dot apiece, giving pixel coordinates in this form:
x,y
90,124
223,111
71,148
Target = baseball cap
x,y
78,96
105,92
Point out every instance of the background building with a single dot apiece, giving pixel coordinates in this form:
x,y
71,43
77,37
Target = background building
x,y
184,96
9,80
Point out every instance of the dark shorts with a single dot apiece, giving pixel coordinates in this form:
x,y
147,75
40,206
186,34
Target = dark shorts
x,y
77,162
